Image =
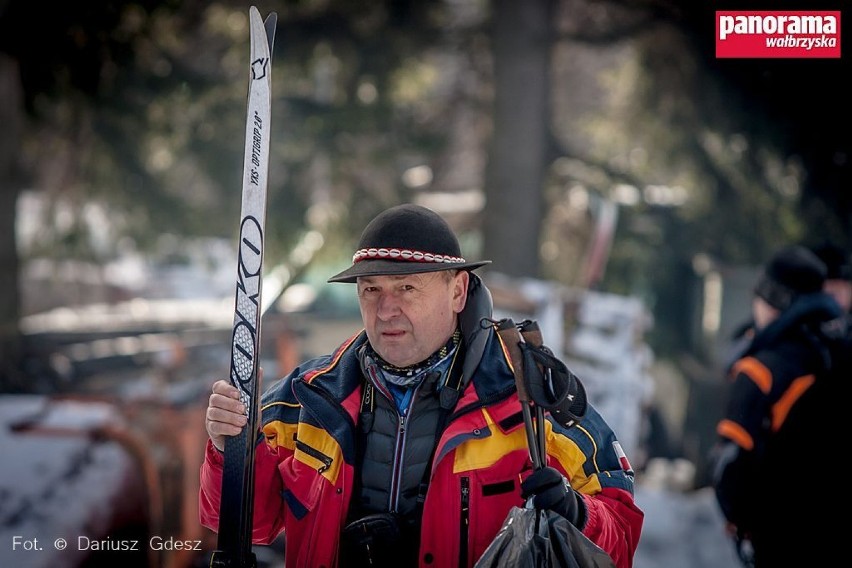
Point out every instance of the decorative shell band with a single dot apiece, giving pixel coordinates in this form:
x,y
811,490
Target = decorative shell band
x,y
404,254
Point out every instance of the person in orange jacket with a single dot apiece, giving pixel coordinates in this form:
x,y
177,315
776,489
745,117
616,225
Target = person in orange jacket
x,y
406,446
784,393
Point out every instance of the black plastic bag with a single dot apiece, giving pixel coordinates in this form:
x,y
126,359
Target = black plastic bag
x,y
533,538
530,538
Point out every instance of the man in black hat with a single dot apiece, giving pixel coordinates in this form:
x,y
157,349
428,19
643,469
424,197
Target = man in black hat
x,y
406,446
779,399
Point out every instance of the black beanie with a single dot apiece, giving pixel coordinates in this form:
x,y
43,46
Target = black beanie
x,y
792,271
837,260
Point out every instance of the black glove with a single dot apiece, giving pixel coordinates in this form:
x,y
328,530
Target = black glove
x,y
552,492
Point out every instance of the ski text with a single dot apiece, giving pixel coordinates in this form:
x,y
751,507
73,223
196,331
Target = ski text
x,y
246,315
257,136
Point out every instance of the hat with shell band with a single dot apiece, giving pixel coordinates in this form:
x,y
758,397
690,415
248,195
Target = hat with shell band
x,y
406,239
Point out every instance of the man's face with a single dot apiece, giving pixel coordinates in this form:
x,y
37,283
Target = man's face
x,y
409,317
840,290
763,313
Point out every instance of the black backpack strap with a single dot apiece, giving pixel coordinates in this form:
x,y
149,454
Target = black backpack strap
x,y
449,396
366,416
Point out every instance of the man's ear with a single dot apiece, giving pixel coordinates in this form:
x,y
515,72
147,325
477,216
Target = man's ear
x,y
460,284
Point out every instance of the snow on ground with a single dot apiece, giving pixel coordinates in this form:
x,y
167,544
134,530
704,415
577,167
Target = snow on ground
x,y
682,530
55,480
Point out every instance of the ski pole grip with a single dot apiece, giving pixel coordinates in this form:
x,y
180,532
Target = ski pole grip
x,y
531,333
512,339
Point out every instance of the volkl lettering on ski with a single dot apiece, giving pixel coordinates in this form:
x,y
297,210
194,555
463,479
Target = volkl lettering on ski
x,y
247,304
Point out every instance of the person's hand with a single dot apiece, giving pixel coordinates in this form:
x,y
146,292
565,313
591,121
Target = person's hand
x,y
226,415
551,491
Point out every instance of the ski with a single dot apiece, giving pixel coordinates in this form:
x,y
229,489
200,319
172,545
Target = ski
x,y
234,549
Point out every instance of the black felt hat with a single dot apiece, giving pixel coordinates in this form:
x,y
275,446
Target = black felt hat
x,y
838,261
406,239
792,271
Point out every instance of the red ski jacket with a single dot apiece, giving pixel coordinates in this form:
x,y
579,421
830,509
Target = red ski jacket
x,y
304,468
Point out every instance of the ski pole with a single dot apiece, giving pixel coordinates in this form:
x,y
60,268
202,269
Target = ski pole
x,y
508,332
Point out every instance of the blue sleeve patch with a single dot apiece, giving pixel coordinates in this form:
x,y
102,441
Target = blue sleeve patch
x,y
299,511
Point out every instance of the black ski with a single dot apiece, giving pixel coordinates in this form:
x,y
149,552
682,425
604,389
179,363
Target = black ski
x,y
235,511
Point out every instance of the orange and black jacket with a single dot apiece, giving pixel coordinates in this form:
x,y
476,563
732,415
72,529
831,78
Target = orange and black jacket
x,y
776,414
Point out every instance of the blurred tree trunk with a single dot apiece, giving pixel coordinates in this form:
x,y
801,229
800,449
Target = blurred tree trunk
x,y
10,117
514,175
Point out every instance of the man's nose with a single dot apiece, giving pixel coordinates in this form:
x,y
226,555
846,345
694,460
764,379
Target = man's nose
x,y
388,306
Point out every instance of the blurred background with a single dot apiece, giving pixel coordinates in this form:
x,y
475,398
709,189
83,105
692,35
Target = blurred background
x,y
626,184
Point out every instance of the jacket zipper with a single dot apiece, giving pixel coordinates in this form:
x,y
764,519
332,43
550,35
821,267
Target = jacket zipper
x,y
464,521
399,452
396,471
316,454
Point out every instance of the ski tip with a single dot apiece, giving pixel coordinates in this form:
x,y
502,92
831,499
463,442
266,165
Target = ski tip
x,y
270,23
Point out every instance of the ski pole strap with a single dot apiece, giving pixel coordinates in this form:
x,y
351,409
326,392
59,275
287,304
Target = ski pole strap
x,y
549,382
512,340
534,372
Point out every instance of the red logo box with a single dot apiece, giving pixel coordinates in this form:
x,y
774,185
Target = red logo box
x,y
778,34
